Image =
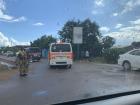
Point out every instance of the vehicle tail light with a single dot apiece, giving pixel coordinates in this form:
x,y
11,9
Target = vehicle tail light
x,y
70,56
51,56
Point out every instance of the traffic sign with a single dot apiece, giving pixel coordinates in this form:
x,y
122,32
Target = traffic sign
x,y
77,35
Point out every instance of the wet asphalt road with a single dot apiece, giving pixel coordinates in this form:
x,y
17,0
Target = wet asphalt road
x,y
44,86
8,58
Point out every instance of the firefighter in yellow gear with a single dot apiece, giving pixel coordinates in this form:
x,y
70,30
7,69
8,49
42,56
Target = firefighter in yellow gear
x,y
22,62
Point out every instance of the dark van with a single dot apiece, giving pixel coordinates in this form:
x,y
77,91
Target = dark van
x,y
34,53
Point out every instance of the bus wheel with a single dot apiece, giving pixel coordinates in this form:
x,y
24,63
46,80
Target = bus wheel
x,y
50,66
69,66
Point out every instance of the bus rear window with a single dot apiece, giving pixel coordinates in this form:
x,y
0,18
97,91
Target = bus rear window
x,y
34,50
60,48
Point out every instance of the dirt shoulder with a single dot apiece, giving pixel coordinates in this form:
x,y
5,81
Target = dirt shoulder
x,y
6,73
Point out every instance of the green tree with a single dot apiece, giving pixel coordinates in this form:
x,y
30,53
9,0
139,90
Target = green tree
x,y
108,42
43,42
91,34
66,34
136,44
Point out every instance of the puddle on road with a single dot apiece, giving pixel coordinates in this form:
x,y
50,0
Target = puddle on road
x,y
114,70
87,95
40,93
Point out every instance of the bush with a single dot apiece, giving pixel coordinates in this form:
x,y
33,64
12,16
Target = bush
x,y
112,55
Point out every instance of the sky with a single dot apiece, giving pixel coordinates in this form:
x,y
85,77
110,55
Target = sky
x,y
22,21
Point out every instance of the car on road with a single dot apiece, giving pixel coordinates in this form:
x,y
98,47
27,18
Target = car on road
x,y
9,54
34,53
130,60
60,54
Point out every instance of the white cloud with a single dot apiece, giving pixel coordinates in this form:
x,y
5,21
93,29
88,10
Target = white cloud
x,y
99,3
5,41
104,29
125,38
115,14
127,35
130,5
7,18
130,29
123,35
22,18
38,24
126,29
15,42
118,25
4,16
19,19
136,22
